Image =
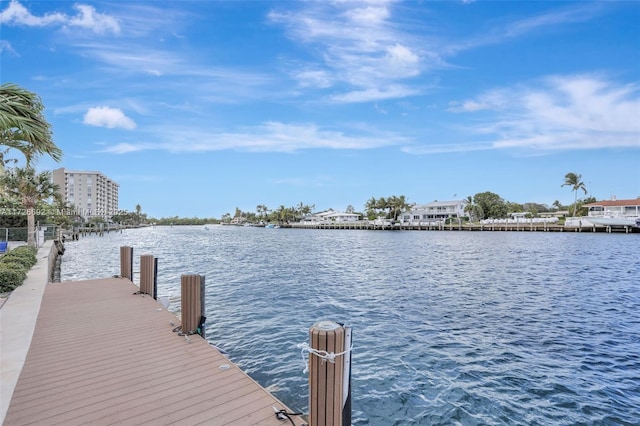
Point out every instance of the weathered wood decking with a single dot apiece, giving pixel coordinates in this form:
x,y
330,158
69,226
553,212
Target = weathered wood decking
x,y
101,355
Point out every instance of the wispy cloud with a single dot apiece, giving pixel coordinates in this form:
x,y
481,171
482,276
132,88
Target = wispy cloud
x,y
580,12
5,46
360,50
104,116
499,32
564,112
375,94
268,137
86,17
447,148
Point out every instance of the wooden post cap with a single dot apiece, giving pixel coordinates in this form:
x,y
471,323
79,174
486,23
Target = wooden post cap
x,y
326,326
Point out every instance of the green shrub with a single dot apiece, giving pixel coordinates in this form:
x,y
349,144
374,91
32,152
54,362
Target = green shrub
x,y
25,251
14,266
11,275
22,260
23,255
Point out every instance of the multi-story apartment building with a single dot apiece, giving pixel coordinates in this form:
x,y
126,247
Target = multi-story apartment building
x,y
89,193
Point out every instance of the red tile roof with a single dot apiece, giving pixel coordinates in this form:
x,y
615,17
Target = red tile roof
x,y
613,203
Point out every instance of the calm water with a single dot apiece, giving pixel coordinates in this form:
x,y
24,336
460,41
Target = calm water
x,y
461,328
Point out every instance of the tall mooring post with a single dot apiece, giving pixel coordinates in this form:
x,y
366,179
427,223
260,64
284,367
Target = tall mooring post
x,y
192,304
126,262
329,374
149,275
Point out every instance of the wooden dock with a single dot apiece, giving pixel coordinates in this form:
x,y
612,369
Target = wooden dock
x,y
433,226
101,355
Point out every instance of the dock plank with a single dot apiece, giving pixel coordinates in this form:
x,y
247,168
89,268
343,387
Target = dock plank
x,y
101,355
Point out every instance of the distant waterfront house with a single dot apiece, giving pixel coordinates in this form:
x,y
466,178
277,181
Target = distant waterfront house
x,y
520,215
238,220
332,216
559,213
434,212
614,208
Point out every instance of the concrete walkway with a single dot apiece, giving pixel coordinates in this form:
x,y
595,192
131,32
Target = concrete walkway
x,y
18,317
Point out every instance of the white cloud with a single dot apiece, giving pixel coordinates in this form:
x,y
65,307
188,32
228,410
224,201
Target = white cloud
x,y
17,14
313,78
492,100
125,148
445,148
498,33
360,49
374,94
370,15
565,112
5,46
270,136
86,17
108,117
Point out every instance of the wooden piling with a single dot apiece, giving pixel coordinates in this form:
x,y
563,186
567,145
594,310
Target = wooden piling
x,y
126,262
329,375
192,304
149,275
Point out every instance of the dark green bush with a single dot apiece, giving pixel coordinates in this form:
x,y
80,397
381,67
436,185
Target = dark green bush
x,y
11,275
14,266
22,260
25,250
23,254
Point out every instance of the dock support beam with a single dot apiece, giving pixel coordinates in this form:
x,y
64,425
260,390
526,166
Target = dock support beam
x,y
192,304
126,262
329,374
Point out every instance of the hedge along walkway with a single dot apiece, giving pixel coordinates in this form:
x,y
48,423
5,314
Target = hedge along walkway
x,y
19,254
18,315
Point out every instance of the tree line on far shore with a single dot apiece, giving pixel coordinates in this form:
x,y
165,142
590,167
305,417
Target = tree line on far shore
x,y
482,205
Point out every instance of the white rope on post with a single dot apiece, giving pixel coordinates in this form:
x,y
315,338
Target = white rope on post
x,y
323,355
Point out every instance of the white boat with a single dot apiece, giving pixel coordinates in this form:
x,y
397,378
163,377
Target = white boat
x,y
609,213
615,221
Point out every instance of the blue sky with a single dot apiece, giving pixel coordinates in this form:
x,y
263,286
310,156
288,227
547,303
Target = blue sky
x,y
198,107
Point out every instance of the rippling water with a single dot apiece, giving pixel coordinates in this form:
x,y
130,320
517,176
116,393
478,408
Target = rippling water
x,y
449,328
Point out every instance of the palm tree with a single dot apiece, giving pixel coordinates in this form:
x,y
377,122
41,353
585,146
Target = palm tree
x,y
281,213
470,207
399,205
573,180
382,204
370,207
30,188
262,210
22,124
